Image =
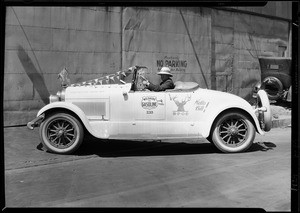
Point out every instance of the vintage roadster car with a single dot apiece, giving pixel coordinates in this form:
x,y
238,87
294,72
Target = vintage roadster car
x,y
128,111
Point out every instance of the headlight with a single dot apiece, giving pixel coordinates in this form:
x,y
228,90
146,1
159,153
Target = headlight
x,y
61,94
53,98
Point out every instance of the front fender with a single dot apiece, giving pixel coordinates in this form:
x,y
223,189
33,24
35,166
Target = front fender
x,y
96,132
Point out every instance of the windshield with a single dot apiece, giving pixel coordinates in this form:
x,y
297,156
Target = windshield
x,y
138,77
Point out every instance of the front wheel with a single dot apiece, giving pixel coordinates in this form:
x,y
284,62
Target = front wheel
x,y
61,133
233,132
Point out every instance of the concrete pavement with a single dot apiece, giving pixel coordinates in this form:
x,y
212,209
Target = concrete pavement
x,y
143,174
281,116
31,155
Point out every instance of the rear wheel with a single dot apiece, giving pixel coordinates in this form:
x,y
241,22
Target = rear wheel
x,y
61,133
233,132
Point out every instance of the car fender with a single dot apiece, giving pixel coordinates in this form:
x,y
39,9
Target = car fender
x,y
94,130
217,107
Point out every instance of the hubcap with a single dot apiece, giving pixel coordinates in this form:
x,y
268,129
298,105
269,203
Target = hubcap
x,y
233,132
61,133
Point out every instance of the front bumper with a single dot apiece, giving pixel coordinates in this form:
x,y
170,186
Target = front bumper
x,y
35,122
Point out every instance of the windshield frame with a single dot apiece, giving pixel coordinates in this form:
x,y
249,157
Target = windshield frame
x,y
134,77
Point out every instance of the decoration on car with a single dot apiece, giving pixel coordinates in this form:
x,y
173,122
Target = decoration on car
x,y
180,103
201,105
140,77
105,79
150,102
63,76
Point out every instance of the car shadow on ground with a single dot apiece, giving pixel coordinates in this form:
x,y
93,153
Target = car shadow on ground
x,y
126,148
261,146
120,148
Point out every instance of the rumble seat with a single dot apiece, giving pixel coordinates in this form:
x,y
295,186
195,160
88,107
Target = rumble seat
x,y
179,85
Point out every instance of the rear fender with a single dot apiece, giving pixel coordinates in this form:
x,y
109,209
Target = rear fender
x,y
248,111
96,132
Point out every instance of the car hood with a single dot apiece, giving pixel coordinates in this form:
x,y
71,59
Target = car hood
x,y
223,98
92,91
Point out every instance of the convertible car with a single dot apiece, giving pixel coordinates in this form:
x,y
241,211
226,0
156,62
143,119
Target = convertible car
x,y
126,110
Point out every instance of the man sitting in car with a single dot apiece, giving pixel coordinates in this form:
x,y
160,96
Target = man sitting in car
x,y
167,82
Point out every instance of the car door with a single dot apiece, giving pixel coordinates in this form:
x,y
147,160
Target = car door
x,y
136,114
149,111
180,120
166,114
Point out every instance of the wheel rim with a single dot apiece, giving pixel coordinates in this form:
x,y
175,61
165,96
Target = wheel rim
x,y
233,132
61,133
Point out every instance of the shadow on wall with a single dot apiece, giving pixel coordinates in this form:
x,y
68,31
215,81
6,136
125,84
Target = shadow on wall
x,y
33,74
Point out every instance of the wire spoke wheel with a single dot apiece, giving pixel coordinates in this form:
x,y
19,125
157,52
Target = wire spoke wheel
x,y
61,133
233,132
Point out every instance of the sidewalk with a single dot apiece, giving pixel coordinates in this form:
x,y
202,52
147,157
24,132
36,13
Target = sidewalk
x,y
281,116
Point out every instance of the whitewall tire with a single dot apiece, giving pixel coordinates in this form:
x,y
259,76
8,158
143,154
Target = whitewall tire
x,y
233,132
61,133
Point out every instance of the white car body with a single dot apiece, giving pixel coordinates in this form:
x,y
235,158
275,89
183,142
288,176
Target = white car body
x,y
118,111
115,112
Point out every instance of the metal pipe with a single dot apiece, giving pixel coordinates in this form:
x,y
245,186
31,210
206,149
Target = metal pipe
x,y
35,122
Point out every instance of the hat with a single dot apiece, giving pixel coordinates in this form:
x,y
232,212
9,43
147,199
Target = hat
x,y
165,71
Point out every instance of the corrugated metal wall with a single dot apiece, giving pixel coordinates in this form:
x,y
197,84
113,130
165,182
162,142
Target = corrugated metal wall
x,y
216,48
175,37
238,40
41,41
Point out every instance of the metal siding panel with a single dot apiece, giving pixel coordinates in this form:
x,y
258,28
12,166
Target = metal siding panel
x,y
85,40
